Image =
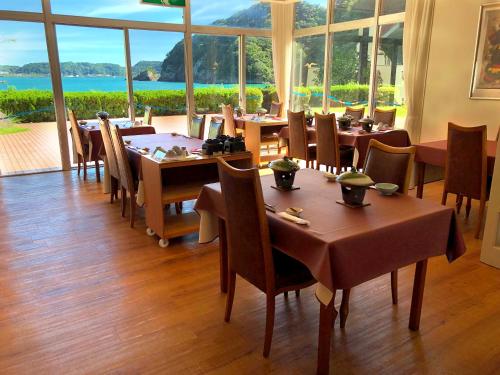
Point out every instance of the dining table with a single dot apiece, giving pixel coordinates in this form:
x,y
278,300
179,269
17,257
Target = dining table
x,y
166,181
357,138
434,153
343,246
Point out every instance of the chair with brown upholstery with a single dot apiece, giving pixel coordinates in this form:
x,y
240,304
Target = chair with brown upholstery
x,y
148,116
216,127
229,123
328,150
298,146
276,109
466,167
385,164
385,116
197,126
113,169
82,150
356,114
250,253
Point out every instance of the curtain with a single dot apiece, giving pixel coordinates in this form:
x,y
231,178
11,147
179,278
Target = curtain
x,y
282,35
416,43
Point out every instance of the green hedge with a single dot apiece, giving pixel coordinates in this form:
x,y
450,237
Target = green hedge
x,y
37,105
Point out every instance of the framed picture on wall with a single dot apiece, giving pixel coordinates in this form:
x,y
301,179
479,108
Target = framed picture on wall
x,y
486,73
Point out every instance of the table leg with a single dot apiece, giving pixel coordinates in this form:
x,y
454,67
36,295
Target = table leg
x,y
420,179
223,256
418,295
326,317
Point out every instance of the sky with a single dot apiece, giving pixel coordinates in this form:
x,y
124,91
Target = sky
x,y
24,42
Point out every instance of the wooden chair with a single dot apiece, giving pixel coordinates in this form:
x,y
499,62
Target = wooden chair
x,y
250,254
298,146
216,127
356,114
197,126
385,116
385,164
82,150
466,167
328,150
114,171
148,116
276,109
230,125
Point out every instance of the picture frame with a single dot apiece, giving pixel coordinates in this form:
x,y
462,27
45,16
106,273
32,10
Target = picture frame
x,y
485,83
159,154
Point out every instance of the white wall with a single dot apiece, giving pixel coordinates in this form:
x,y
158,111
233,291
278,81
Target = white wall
x,y
450,71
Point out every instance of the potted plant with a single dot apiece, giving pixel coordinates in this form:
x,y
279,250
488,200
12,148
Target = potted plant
x,y
354,185
284,172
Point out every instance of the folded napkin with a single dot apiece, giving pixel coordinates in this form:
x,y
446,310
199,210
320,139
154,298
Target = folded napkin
x,y
293,219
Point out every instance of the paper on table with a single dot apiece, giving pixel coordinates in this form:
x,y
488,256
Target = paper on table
x,y
293,219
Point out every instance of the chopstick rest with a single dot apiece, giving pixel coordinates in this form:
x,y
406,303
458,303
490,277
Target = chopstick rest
x,y
293,219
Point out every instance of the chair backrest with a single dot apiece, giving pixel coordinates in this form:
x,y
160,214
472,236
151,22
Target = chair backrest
x,y
297,129
356,113
327,141
108,147
216,127
75,132
126,179
249,244
230,125
385,163
385,116
276,109
148,116
197,126
466,161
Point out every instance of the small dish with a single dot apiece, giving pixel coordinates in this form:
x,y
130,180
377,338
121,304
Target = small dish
x,y
82,122
330,176
386,188
294,211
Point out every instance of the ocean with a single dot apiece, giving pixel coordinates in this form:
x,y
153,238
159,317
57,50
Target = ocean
x,y
108,84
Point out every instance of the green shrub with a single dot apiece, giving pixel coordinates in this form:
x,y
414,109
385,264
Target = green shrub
x,y
87,104
163,102
301,97
254,99
269,95
28,105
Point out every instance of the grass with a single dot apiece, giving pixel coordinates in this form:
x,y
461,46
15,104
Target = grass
x,y
10,128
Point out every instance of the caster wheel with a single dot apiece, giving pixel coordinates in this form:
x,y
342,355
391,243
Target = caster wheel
x,y
150,232
163,243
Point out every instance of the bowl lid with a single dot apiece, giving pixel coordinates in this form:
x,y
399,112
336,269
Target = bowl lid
x,y
355,178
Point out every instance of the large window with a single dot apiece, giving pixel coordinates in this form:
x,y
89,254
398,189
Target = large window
x,y
231,13
215,72
259,73
350,10
21,6
123,10
310,13
307,92
350,69
393,6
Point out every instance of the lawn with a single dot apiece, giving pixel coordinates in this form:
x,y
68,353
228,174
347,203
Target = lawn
x,y
11,128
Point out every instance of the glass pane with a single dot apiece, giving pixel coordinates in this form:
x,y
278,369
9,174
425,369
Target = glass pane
x,y
215,72
157,59
27,119
22,6
93,71
350,69
132,10
231,13
308,62
310,13
261,91
393,6
350,10
390,85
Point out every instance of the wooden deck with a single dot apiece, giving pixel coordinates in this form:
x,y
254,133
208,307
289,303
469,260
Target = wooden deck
x,y
37,149
82,293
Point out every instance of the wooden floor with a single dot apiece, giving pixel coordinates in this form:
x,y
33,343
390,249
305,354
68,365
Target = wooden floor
x,y
82,293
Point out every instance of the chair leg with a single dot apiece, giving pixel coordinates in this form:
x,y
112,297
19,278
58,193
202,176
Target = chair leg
x,y
482,205
445,197
269,324
394,287
79,163
112,195
97,171
297,293
285,294
124,201
344,307
84,169
132,210
468,207
231,284
178,208
460,199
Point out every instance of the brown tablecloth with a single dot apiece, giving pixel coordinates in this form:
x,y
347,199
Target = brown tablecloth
x,y
344,247
434,153
356,139
93,137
